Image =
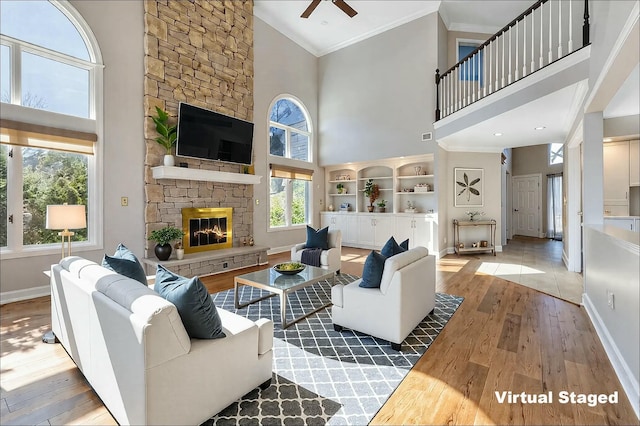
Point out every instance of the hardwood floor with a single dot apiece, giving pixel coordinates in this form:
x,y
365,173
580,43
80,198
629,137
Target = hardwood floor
x,y
504,337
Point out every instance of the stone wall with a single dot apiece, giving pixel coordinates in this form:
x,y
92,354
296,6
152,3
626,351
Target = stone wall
x,y
199,52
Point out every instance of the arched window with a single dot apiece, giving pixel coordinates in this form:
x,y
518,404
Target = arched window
x,y
49,86
290,149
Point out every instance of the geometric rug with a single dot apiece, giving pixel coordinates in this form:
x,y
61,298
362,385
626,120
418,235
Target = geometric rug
x,y
321,376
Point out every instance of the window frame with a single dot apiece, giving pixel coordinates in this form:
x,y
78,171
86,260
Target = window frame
x,y
550,153
480,71
93,124
286,161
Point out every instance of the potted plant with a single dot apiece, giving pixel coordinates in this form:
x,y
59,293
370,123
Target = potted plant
x,y
168,134
179,250
163,238
382,206
340,188
372,191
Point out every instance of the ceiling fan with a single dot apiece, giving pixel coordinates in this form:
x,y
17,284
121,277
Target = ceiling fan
x,y
340,3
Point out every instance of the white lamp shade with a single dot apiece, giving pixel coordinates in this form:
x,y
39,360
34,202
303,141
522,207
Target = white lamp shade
x,y
64,216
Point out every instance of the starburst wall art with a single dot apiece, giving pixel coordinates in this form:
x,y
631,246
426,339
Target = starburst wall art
x,y
469,187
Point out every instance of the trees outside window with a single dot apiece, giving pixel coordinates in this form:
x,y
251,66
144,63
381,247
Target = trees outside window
x,y
48,74
290,144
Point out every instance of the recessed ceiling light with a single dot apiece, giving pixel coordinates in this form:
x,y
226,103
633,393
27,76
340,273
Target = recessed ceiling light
x,y
540,128
324,23
497,134
607,140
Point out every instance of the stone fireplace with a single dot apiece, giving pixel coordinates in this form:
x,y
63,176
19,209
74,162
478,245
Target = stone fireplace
x,y
207,229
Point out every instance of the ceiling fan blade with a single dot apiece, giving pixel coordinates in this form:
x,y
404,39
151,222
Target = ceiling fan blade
x,y
345,8
310,8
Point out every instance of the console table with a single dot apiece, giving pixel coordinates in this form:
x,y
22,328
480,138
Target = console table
x,y
461,248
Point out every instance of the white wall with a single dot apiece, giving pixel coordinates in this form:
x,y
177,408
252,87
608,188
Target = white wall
x,y
281,67
377,97
490,162
118,27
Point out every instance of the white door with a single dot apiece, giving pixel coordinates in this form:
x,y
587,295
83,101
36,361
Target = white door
x,y
526,205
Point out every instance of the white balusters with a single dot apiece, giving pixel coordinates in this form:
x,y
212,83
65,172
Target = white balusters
x,y
517,49
550,34
510,50
533,38
570,45
541,38
560,29
524,46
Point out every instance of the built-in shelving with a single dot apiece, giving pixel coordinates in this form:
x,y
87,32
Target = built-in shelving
x,y
184,173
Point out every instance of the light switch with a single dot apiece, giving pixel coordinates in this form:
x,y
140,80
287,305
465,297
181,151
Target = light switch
x,y
124,201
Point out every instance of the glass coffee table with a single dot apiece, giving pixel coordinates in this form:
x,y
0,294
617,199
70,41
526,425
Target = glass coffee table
x,y
282,285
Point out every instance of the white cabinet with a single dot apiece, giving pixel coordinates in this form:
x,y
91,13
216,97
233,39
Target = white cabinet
x,y
616,178
374,230
634,163
345,222
417,228
629,223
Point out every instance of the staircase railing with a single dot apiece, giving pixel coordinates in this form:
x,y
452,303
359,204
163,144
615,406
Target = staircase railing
x,y
539,36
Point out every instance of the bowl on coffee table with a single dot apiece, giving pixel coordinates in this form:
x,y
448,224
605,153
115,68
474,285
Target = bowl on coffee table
x,y
289,268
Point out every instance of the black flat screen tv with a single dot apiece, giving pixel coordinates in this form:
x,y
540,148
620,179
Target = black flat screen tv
x,y
213,136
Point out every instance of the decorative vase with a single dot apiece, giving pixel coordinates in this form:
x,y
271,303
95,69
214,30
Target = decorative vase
x,y
169,160
180,254
251,242
370,208
162,251
382,209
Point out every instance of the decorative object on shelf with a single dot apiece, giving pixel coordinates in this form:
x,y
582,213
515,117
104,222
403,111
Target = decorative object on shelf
x,y
179,250
249,169
461,245
410,208
484,243
65,217
331,207
473,214
417,169
243,240
341,189
468,184
372,191
407,190
168,134
474,245
345,207
163,238
343,177
382,206
251,242
422,187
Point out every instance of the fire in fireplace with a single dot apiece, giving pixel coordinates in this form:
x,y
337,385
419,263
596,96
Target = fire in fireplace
x,y
207,228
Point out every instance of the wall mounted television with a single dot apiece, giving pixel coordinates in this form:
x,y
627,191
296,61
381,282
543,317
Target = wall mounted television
x,y
210,135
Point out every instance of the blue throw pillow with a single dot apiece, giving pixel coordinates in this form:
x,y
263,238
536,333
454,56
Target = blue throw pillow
x,y
195,306
124,262
405,244
372,271
318,239
391,247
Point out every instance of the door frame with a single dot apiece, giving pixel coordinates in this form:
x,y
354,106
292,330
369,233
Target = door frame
x,y
539,176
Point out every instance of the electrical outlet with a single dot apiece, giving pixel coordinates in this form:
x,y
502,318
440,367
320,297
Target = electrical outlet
x,y
610,300
225,265
124,201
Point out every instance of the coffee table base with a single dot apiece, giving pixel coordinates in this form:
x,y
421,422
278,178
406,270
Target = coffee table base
x,y
275,291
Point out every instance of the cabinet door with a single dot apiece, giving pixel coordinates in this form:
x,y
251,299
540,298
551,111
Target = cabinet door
x,y
620,223
384,227
634,163
616,173
616,210
366,230
423,233
349,226
327,220
404,229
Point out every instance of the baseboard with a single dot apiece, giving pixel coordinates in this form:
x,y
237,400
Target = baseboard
x,y
26,294
275,250
629,384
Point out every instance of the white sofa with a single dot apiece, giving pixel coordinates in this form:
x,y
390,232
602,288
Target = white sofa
x,y
133,349
406,296
330,259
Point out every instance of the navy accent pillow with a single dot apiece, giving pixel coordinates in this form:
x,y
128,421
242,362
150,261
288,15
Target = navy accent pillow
x,y
372,271
318,239
195,306
124,262
391,247
405,244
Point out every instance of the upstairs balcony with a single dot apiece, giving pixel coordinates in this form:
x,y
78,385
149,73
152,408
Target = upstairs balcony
x,y
531,73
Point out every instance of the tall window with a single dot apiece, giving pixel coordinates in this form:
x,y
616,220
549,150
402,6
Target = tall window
x,y
292,168
472,70
49,69
556,153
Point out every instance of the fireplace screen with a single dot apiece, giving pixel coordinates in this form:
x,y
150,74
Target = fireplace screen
x,y
207,229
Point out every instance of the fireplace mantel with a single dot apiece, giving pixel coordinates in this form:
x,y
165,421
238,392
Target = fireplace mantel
x,y
184,173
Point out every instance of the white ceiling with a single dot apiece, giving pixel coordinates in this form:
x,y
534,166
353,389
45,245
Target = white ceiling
x,y
329,29
626,100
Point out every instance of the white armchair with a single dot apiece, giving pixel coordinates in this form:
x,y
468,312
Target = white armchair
x,y
330,259
406,296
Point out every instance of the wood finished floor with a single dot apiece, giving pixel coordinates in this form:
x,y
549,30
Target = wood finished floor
x,y
504,337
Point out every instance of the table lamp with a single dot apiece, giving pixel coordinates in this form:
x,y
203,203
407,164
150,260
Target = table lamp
x,y
65,217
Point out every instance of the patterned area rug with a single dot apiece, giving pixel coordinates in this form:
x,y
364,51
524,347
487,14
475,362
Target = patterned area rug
x,y
321,376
